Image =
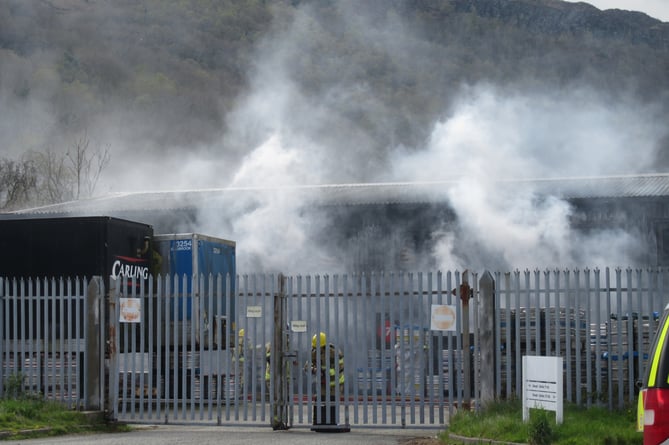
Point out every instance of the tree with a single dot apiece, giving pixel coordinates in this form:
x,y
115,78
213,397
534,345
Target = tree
x,y
49,177
18,180
54,184
86,165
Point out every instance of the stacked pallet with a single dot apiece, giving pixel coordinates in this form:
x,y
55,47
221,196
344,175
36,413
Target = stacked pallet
x,y
561,332
629,341
54,375
376,377
410,359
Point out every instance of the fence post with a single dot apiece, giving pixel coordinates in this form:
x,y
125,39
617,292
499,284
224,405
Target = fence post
x,y
111,349
93,345
279,421
465,295
487,336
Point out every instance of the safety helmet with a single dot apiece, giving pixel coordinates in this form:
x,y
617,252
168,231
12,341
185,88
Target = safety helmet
x,y
241,332
315,340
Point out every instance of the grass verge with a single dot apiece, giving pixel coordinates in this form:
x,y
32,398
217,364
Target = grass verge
x,y
29,418
502,421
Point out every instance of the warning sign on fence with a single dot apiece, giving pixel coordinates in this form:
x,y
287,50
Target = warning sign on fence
x,y
443,318
131,310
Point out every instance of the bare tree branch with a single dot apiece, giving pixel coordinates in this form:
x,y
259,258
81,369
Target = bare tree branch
x,y
18,180
55,182
86,165
48,177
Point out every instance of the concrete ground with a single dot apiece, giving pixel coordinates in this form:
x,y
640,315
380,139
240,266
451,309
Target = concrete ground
x,y
209,435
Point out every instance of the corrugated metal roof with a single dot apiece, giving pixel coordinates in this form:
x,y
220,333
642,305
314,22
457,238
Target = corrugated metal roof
x,y
607,187
650,185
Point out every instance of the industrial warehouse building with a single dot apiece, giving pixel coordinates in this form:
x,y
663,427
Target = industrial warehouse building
x,y
388,226
400,369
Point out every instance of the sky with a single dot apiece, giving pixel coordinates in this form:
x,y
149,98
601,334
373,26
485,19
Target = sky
x,y
654,8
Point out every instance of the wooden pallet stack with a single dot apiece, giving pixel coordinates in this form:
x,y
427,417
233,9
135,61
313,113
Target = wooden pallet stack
x,y
627,349
561,332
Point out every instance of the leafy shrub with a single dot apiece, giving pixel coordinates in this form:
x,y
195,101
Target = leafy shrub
x,y
13,386
539,430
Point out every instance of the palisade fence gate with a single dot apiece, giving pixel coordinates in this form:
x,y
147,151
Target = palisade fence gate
x,y
416,346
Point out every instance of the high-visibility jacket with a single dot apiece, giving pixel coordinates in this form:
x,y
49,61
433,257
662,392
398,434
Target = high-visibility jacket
x,y
239,357
331,370
268,358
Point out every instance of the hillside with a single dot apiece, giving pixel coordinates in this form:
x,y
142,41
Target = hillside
x,y
213,80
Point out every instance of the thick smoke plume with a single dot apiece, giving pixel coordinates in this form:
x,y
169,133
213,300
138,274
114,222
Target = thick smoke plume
x,y
493,138
487,135
311,117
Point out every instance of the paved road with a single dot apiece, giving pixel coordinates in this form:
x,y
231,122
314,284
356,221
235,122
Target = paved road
x,y
209,435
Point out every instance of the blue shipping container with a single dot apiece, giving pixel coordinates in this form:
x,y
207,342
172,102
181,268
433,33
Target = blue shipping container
x,y
194,255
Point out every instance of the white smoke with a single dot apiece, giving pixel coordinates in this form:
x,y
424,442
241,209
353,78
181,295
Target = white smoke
x,y
484,149
493,141
517,135
491,136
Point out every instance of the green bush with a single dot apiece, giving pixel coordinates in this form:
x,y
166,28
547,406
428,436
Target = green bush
x,y
13,386
539,431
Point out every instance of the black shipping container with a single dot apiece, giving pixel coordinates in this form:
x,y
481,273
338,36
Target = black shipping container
x,y
74,247
79,247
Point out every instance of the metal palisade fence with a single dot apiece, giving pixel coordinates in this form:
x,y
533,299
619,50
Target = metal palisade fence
x,y
600,321
403,348
195,365
45,325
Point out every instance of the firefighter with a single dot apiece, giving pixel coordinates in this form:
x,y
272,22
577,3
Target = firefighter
x,y
241,360
152,256
331,364
268,365
327,362
268,372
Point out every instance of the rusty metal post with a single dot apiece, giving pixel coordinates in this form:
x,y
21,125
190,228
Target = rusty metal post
x,y
465,294
112,351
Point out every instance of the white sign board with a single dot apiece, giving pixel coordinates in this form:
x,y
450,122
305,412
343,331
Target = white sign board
x,y
542,385
443,318
298,326
254,312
